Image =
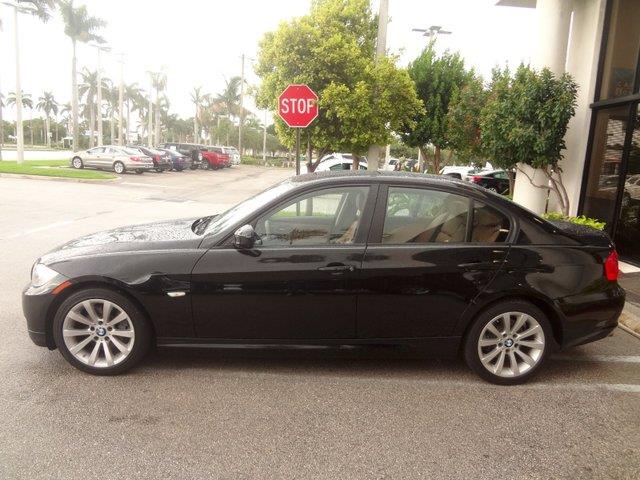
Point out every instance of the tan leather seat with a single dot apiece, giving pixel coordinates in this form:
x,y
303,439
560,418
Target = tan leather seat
x,y
486,226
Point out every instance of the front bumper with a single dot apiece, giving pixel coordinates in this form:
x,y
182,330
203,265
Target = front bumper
x,y
36,308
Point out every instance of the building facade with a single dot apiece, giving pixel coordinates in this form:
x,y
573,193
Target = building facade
x,y
598,43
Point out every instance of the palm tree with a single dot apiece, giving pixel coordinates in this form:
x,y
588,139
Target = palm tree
x,y
48,105
78,26
111,96
42,10
131,93
196,97
141,104
159,83
20,101
65,113
230,97
89,90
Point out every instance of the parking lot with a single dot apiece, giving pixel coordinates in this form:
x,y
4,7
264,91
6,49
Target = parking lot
x,y
251,414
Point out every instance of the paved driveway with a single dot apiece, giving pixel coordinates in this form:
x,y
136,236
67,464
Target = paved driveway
x,y
238,414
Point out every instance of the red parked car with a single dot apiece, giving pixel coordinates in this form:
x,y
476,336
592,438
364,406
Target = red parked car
x,y
214,158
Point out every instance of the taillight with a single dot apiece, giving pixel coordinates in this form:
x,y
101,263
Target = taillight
x,y
156,158
475,179
135,159
611,270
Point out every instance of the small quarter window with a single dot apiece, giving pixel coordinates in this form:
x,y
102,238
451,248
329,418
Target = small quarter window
x,y
489,225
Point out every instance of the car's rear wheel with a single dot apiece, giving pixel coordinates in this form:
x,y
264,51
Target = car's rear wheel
x,y
139,171
101,332
118,167
508,343
77,163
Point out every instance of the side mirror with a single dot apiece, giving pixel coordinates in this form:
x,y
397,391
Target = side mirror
x,y
245,237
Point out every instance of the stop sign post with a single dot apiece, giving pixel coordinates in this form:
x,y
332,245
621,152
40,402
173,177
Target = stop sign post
x,y
298,107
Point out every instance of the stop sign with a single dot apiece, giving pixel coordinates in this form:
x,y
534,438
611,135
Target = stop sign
x,y
298,106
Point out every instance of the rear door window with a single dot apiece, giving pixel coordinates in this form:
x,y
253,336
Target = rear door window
x,y
418,215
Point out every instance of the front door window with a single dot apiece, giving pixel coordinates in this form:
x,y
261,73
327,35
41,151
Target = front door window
x,y
329,216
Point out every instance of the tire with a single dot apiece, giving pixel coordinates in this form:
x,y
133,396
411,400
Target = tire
x,y
77,163
139,171
159,170
119,168
524,318
134,332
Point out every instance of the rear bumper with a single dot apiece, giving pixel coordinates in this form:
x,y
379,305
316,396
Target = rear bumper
x,y
139,166
593,320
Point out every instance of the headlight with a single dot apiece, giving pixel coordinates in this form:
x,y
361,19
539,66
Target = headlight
x,y
41,275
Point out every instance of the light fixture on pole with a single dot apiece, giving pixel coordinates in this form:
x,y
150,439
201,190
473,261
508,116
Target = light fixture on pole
x,y
99,48
19,129
433,31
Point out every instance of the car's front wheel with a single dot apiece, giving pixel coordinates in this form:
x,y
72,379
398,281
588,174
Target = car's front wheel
x,y
508,342
118,167
101,332
77,163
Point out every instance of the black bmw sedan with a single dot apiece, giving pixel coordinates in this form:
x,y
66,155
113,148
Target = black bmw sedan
x,y
342,258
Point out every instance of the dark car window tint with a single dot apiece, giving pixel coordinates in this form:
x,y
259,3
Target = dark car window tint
x,y
330,216
489,225
424,216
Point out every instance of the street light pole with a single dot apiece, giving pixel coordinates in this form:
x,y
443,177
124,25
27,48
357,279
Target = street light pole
x,y
264,140
373,156
241,107
19,128
99,108
100,48
121,100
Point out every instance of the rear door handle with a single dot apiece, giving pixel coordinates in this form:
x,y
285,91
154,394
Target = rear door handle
x,y
336,269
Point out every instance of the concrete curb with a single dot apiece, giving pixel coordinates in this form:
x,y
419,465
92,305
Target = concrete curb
x,y
58,179
630,319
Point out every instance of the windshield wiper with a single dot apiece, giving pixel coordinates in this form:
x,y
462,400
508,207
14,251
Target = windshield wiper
x,y
201,224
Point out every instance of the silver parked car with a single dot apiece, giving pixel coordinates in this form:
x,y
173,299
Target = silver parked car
x,y
112,157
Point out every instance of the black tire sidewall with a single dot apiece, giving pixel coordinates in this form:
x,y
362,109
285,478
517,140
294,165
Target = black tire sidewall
x,y
140,325
470,347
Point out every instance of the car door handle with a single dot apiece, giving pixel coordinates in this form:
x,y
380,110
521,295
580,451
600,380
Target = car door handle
x,y
336,269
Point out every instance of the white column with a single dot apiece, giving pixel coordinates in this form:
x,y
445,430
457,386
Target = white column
x,y
553,18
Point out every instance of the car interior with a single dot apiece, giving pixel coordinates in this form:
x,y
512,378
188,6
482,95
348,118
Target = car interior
x,y
429,216
330,217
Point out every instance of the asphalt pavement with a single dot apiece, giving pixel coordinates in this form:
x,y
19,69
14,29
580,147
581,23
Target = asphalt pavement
x,y
253,414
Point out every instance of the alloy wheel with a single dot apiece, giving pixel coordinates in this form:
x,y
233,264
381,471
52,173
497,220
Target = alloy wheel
x,y
77,162
98,333
118,167
511,344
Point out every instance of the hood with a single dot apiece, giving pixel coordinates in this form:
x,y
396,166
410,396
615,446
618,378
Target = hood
x,y
166,235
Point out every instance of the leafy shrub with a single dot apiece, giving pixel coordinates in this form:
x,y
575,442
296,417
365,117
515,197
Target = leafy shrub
x,y
581,220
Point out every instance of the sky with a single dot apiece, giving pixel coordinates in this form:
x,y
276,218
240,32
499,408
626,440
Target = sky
x,y
200,42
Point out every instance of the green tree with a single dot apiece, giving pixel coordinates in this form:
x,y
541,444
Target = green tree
x,y
525,121
79,26
369,111
436,79
463,121
48,104
332,50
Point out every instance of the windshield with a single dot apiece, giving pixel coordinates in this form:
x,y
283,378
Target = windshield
x,y
244,209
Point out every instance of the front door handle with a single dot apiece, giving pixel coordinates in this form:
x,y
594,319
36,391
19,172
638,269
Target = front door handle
x,y
337,269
